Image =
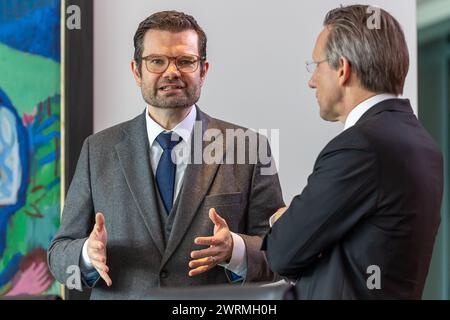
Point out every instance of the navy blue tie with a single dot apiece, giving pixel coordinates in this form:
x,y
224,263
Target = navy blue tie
x,y
165,173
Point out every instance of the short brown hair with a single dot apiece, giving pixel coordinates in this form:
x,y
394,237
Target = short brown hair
x,y
172,21
379,57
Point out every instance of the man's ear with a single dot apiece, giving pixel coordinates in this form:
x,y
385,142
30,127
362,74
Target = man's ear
x,y
136,72
344,70
204,71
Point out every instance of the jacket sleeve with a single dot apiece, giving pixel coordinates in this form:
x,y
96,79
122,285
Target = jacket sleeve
x,y
265,199
77,221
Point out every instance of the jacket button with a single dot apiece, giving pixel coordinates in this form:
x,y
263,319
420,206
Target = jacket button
x,y
164,274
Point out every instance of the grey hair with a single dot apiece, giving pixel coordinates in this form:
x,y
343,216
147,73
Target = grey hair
x,y
379,57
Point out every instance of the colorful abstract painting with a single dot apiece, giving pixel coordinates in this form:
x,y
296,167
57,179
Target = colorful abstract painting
x,y
30,166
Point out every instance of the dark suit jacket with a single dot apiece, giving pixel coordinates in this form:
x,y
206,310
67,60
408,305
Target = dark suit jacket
x,y
114,176
374,198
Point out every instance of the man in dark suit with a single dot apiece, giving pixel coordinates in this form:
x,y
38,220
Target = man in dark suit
x,y
365,224
153,203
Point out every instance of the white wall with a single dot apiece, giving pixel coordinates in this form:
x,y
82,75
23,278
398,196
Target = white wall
x,y
241,35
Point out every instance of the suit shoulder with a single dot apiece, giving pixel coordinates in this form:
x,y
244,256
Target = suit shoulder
x,y
234,129
112,135
352,138
223,125
238,133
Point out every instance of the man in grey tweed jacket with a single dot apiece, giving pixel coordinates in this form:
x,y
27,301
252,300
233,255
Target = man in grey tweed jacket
x,y
122,227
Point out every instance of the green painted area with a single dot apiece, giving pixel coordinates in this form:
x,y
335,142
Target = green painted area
x,y
34,225
36,222
27,78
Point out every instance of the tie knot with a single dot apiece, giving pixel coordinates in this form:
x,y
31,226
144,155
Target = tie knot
x,y
166,141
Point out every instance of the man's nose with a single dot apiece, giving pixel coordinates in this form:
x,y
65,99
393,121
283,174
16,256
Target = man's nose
x,y
172,70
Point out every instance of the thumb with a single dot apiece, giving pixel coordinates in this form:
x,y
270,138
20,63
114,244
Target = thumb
x,y
99,221
216,219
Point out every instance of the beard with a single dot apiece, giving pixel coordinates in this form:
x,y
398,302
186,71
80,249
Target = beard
x,y
184,98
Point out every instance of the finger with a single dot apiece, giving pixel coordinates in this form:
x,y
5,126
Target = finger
x,y
199,270
99,221
216,219
106,277
97,257
208,261
96,245
198,254
100,267
103,270
91,251
207,241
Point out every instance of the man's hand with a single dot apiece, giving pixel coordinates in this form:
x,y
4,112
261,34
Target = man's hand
x,y
220,247
96,248
277,215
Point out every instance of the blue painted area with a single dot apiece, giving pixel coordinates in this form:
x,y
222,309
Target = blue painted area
x,y
6,171
11,10
41,139
52,184
31,27
23,155
38,138
11,269
8,210
47,123
49,158
31,30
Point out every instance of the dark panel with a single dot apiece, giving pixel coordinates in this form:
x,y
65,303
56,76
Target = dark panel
x,y
79,89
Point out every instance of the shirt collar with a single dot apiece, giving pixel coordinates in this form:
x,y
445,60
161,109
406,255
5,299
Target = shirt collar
x,y
363,107
182,129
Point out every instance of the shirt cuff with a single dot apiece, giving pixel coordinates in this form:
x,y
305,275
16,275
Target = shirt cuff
x,y
90,274
272,220
238,261
85,261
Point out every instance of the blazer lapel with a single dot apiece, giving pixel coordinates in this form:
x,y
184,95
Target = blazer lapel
x,y
196,183
134,157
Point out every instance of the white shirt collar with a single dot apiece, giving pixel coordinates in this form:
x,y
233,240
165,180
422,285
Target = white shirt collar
x,y
183,129
363,107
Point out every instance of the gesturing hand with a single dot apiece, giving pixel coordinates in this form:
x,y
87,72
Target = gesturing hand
x,y
96,248
220,247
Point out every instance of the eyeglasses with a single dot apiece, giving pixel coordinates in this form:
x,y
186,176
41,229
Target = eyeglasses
x,y
157,63
311,66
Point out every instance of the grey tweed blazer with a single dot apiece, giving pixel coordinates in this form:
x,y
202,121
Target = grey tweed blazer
x,y
114,176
